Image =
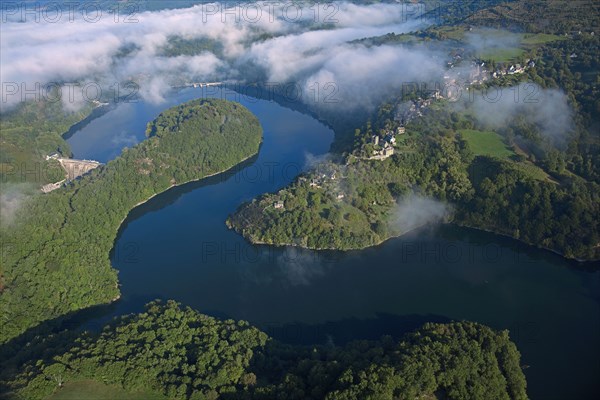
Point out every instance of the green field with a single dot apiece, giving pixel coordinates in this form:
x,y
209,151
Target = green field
x,y
506,54
530,168
516,50
486,143
452,32
534,171
534,39
92,390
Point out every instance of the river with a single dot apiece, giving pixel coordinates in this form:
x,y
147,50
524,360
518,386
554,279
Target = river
x,y
176,246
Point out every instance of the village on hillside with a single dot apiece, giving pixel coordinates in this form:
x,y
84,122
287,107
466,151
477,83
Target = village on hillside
x,y
384,144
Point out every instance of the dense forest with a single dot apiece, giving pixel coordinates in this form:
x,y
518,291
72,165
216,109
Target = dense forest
x,y
56,253
182,354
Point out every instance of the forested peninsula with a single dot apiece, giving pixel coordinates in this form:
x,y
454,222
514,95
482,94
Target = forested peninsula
x,y
172,352
434,176
56,257
537,182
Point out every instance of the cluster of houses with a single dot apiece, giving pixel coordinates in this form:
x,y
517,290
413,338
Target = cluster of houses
x,y
385,148
454,81
456,59
514,69
323,177
479,73
410,110
382,154
327,177
320,178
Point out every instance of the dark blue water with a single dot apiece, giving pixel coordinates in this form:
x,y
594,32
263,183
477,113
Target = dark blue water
x,y
177,246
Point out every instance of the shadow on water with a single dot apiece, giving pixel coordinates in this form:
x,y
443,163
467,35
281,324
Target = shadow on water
x,y
494,241
51,335
341,122
170,196
96,113
346,330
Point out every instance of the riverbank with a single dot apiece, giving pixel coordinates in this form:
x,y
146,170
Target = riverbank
x,y
96,112
210,136
357,205
254,241
358,248
185,183
537,246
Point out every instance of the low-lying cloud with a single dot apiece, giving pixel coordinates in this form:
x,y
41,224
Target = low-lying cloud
x,y
414,211
12,199
300,267
547,109
363,76
271,48
486,40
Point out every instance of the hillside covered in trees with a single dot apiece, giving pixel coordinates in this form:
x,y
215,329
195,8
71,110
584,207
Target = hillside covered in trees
x,y
181,354
356,203
56,253
514,179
